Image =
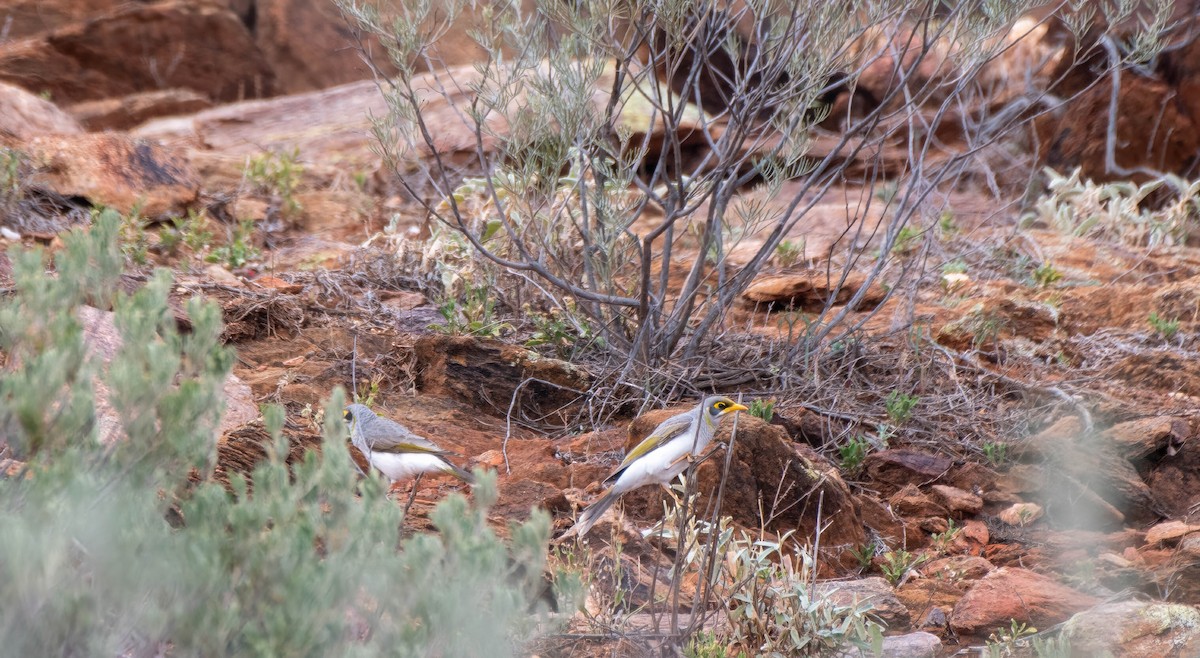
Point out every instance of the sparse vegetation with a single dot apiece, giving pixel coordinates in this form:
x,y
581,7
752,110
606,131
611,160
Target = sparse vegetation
x,y
1045,275
277,174
605,183
1115,211
239,250
1007,642
547,207
190,231
865,554
899,406
472,315
776,611
14,170
789,252
764,409
896,564
943,540
135,244
996,453
907,239
1162,326
564,330
853,452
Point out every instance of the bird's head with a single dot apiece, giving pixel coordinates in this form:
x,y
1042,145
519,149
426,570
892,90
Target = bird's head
x,y
718,405
356,412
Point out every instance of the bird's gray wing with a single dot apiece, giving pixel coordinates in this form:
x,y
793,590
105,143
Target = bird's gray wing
x,y
389,436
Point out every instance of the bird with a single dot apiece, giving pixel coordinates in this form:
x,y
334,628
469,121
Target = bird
x,y
394,450
666,453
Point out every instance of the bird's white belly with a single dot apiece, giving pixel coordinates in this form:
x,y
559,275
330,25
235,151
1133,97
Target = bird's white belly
x,y
403,467
659,466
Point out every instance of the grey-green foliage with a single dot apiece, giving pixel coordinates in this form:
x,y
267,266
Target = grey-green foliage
x,y
89,564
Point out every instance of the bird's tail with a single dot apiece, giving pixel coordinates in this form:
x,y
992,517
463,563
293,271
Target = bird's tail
x,y
459,473
592,514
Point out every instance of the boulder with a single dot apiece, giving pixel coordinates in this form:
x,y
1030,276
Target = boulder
x,y
489,374
114,170
898,467
970,567
874,591
1093,483
1020,514
1138,439
812,289
137,108
912,502
104,341
140,47
912,645
1008,594
1075,135
893,530
1136,629
772,483
956,500
24,115
1169,531
309,45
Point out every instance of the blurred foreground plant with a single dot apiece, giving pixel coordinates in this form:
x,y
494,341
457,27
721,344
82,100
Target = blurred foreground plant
x,y
117,550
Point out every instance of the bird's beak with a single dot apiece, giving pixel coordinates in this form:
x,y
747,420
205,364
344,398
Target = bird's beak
x,y
737,407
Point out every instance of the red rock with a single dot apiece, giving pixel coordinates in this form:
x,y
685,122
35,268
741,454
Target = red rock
x,y
923,596
1175,481
1021,514
903,466
1140,438
976,532
813,289
142,47
1076,134
517,498
114,170
309,45
972,477
1008,594
487,373
956,500
874,591
137,108
911,502
103,341
1136,629
25,18
771,482
896,531
1169,530
24,115
912,645
970,567
277,284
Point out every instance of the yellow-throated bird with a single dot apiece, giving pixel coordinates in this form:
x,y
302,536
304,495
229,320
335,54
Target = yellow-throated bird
x,y
394,450
661,456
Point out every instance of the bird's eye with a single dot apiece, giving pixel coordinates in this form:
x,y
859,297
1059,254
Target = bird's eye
x,y
346,415
720,405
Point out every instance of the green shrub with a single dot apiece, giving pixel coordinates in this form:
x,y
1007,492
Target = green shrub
x,y
91,565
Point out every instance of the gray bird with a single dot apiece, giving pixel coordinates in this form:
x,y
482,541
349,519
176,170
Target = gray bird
x,y
394,450
660,457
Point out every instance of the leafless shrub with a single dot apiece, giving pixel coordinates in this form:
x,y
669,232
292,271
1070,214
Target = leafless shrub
x,y
612,142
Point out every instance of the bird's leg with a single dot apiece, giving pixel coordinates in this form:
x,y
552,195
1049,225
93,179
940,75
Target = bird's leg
x,y
412,497
708,454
